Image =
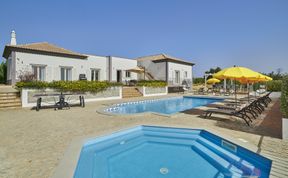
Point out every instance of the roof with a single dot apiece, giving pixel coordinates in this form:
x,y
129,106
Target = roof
x,y
42,47
164,57
137,69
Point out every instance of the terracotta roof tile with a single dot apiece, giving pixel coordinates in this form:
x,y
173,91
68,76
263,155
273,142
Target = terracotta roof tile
x,y
42,47
163,57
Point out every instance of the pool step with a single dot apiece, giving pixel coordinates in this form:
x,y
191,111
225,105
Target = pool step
x,y
130,92
228,169
227,156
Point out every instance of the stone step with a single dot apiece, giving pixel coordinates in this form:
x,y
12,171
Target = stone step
x,y
9,94
16,107
16,100
130,92
135,93
10,105
127,96
130,96
8,97
10,100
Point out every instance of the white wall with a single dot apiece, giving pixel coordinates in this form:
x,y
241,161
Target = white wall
x,y
24,62
123,64
28,99
157,70
172,67
97,62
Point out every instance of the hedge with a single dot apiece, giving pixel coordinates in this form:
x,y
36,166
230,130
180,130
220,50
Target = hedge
x,y
274,85
284,97
152,83
199,80
72,86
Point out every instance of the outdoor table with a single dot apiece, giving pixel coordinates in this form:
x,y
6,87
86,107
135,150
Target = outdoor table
x,y
62,103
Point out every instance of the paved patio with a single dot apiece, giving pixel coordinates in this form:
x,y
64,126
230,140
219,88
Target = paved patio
x,y
33,143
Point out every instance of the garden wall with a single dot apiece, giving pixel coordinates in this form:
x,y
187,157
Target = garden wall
x,y
29,99
154,91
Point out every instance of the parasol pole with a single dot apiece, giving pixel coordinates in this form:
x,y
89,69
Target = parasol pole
x,y
235,91
248,88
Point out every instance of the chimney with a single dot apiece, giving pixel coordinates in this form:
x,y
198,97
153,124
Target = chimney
x,y
13,38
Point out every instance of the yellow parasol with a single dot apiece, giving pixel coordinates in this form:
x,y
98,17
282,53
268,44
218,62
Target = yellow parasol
x,y
261,78
213,80
237,73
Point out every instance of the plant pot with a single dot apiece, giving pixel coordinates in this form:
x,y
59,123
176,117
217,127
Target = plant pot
x,y
285,128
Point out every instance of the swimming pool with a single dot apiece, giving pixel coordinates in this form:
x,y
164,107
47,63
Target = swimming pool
x,y
162,152
163,106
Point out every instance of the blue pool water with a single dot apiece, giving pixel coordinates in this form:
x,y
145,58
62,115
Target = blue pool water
x,y
160,152
164,106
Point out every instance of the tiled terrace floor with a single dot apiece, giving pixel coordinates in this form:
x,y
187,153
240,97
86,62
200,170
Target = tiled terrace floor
x,y
32,143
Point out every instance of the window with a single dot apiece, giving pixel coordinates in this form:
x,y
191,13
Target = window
x,y
128,74
66,73
185,74
39,72
95,74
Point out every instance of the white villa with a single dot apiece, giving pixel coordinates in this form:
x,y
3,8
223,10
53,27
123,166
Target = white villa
x,y
49,62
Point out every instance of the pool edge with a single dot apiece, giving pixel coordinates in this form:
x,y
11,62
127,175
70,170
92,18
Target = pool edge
x,y
68,164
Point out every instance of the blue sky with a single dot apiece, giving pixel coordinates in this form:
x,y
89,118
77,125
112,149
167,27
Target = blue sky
x,y
210,33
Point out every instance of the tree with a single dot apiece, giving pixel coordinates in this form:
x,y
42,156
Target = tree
x,y
278,75
213,71
3,72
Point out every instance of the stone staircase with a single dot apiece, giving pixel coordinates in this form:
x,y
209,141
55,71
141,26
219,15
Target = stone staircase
x,y
9,100
130,92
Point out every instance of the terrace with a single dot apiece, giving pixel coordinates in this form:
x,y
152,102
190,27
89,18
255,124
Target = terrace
x,y
42,138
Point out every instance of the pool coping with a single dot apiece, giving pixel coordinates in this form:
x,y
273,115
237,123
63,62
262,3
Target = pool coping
x,y
68,163
101,110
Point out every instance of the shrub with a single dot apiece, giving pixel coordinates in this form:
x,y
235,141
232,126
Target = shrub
x,y
199,80
3,72
274,85
152,83
72,86
284,97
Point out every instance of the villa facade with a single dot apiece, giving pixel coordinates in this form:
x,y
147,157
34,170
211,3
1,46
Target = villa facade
x,y
48,62
173,70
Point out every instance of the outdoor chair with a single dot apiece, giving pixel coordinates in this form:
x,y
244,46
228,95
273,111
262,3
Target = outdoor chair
x,y
242,113
185,89
250,109
201,91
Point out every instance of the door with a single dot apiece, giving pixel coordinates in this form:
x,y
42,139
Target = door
x,y
177,76
95,74
119,76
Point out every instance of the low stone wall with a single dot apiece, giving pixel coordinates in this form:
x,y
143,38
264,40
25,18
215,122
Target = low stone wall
x,y
29,99
285,128
155,91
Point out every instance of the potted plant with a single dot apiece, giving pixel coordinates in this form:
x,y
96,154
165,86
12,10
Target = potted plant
x,y
284,108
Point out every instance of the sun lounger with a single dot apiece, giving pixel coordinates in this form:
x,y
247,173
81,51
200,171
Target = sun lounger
x,y
242,113
250,109
232,108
